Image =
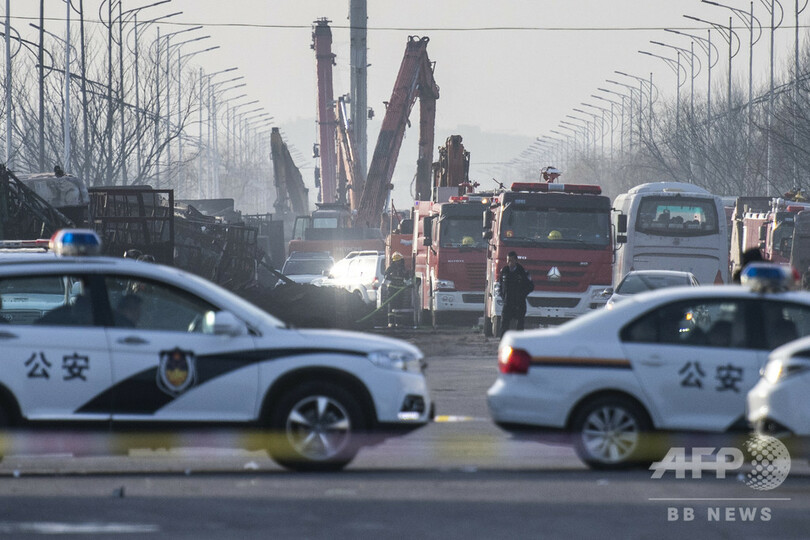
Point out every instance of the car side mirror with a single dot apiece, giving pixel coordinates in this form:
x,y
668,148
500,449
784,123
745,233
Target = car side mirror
x,y
621,223
607,292
223,323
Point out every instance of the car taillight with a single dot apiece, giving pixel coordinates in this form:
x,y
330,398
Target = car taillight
x,y
513,361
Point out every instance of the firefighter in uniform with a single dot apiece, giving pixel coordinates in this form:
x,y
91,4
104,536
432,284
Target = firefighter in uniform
x,y
515,286
395,280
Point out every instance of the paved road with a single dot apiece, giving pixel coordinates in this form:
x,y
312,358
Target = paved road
x,y
459,478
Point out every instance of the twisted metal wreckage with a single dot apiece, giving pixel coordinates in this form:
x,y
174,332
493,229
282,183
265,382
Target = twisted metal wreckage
x,y
237,252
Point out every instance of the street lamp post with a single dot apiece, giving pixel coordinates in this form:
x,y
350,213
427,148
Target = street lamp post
x,y
203,78
66,140
749,23
674,65
136,51
157,44
232,122
180,58
601,123
214,93
591,122
573,128
632,90
621,129
641,82
169,47
729,35
585,131
689,53
8,85
612,118
772,11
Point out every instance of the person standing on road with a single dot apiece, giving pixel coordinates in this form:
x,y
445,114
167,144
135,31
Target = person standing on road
x,y
395,276
515,286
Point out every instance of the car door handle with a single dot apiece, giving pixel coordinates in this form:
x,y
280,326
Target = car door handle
x,y
8,335
652,362
132,340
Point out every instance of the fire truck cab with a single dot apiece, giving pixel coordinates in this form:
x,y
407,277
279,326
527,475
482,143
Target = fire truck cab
x,y
561,233
449,258
767,225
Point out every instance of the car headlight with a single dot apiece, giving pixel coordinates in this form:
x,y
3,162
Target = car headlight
x,y
772,371
777,369
396,360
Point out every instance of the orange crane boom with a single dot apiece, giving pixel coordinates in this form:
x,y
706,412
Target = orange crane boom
x,y
415,80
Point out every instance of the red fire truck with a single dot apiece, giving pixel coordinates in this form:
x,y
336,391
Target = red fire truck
x,y
449,258
767,224
561,233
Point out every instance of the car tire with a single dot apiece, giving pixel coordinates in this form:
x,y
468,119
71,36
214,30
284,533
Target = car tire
x,y
611,432
316,426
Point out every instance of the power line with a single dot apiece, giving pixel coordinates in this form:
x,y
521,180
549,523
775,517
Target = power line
x,y
423,29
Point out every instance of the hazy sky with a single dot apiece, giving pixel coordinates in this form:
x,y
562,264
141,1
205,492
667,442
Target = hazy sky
x,y
511,67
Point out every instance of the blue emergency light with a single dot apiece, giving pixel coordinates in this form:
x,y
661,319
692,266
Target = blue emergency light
x,y
763,276
72,242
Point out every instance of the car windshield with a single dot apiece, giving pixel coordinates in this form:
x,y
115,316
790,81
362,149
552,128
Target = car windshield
x,y
458,231
305,266
553,226
635,283
681,216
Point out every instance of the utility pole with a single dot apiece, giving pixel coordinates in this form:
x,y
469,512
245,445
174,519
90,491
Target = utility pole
x,y
41,85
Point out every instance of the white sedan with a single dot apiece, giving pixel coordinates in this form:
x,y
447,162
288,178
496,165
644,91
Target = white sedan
x,y
676,359
778,405
134,347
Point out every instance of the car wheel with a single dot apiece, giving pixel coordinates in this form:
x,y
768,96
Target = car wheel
x,y
609,432
316,427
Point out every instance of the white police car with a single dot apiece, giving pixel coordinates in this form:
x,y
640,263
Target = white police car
x,y
136,348
675,359
778,405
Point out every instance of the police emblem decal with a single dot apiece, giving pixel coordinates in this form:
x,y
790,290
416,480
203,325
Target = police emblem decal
x,y
176,371
554,274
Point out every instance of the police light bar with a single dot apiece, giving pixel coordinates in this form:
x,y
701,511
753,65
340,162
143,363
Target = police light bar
x,y
469,198
588,189
20,244
72,242
763,276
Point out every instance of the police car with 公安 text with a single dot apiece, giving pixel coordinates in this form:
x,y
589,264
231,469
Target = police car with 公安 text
x,y
778,404
127,347
673,360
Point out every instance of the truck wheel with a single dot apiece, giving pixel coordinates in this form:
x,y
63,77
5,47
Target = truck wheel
x,y
609,432
316,427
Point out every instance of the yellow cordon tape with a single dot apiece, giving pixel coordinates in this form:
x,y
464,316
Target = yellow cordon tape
x,y
456,418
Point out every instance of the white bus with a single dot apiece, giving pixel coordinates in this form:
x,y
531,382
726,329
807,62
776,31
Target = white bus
x,y
671,226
